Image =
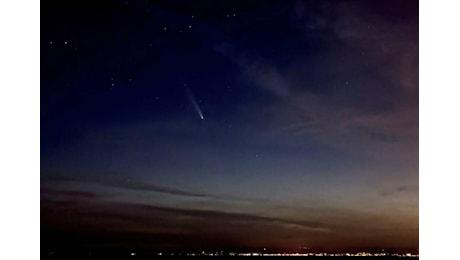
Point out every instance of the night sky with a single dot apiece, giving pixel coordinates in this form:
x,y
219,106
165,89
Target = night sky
x,y
229,124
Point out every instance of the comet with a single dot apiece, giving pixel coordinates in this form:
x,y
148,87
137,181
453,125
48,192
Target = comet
x,y
194,103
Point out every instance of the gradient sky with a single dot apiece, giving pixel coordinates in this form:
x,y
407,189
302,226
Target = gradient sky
x,y
237,124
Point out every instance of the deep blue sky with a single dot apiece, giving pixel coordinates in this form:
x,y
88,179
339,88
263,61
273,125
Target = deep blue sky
x,y
309,134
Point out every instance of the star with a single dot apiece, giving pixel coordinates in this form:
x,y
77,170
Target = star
x,y
65,43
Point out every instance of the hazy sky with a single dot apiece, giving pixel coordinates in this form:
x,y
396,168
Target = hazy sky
x,y
229,124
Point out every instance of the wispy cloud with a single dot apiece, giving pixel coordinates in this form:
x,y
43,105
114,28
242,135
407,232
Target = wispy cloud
x,y
133,185
143,215
117,181
229,217
61,193
398,190
201,227
365,101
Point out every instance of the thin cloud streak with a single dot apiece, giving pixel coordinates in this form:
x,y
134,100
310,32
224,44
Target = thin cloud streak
x,y
131,184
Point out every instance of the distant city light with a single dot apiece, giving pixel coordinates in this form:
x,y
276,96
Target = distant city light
x,y
221,253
